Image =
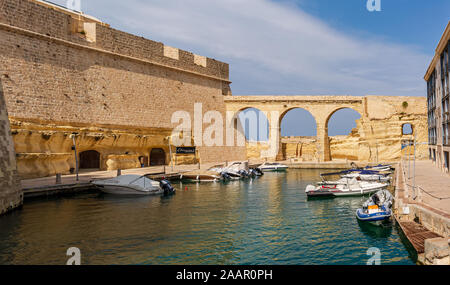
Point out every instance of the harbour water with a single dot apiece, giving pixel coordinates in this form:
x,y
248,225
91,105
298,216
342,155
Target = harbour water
x,y
267,220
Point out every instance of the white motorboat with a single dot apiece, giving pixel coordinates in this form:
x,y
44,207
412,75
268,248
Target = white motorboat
x,y
367,177
236,170
363,175
352,187
201,176
272,166
379,167
134,185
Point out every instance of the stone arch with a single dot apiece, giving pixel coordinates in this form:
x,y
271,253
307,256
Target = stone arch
x,y
326,147
284,113
295,147
241,128
341,108
90,159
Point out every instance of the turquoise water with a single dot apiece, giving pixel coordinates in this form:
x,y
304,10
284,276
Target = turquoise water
x,y
263,221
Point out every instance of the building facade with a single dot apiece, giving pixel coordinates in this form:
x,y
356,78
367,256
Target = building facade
x,y
438,79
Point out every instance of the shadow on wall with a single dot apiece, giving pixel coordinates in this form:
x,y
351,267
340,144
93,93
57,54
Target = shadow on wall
x,y
10,190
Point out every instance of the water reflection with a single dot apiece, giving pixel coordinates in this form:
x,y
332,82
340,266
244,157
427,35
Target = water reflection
x,y
267,220
376,231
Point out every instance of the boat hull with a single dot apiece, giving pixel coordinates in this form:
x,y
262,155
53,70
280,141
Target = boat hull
x,y
374,217
320,194
274,169
359,192
124,190
200,178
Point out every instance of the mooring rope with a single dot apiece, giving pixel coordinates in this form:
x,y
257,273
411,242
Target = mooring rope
x,y
439,198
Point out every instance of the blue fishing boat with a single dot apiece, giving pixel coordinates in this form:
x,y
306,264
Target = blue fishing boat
x,y
377,209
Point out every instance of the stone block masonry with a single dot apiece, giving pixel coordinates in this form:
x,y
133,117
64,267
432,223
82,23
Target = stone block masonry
x,y
10,191
64,74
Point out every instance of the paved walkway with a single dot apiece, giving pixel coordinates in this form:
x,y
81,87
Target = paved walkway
x,y
433,186
87,176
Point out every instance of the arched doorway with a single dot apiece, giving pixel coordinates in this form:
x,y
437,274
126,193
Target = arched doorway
x,y
90,159
298,129
157,157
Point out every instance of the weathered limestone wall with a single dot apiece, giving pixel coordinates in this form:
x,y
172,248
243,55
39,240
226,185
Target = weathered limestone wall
x,y
10,190
117,90
377,137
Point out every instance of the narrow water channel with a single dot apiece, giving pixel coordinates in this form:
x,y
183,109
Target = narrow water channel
x,y
267,220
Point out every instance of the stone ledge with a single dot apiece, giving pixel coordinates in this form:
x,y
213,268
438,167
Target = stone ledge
x,y
437,251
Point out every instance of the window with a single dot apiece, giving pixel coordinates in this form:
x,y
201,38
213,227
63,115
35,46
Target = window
x,y
407,129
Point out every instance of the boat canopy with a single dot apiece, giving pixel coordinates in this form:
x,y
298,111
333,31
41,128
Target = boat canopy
x,y
130,179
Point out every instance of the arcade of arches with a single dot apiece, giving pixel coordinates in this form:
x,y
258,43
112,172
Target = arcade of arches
x,y
377,137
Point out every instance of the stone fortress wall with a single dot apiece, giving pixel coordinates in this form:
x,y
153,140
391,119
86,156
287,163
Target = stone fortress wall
x,y
64,73
10,191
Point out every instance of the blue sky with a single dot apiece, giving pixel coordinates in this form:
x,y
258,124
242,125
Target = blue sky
x,y
287,47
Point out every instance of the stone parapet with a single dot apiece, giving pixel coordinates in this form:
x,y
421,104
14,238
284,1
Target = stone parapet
x,y
57,23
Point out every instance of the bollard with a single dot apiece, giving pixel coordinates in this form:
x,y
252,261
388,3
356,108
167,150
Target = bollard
x,y
58,178
119,172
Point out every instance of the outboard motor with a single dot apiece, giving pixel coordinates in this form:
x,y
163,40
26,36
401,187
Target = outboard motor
x,y
252,172
225,176
259,172
244,173
167,187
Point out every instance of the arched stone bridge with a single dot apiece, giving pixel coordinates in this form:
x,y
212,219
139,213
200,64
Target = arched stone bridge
x,y
382,117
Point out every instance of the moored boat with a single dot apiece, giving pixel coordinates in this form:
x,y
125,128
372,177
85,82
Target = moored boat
x,y
134,185
380,167
352,187
377,209
359,174
201,176
366,175
272,166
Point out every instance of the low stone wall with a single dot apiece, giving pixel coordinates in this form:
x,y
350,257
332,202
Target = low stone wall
x,y
437,251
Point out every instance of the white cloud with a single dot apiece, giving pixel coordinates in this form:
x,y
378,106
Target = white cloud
x,y
273,48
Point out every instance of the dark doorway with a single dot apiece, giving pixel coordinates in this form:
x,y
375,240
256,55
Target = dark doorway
x,y
90,159
157,157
